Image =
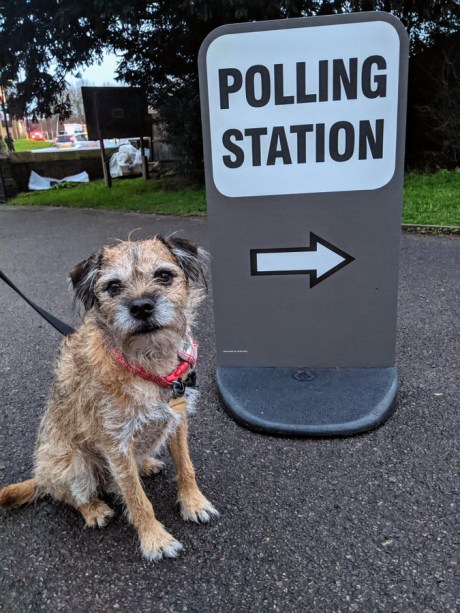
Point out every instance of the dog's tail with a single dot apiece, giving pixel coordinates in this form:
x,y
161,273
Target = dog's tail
x,y
19,493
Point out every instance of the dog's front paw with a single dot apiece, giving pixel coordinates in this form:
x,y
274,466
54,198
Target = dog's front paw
x,y
158,543
150,466
96,513
196,507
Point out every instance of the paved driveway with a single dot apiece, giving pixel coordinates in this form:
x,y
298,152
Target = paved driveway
x,y
365,524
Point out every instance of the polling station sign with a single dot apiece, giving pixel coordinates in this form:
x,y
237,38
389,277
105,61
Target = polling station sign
x,y
313,103
304,129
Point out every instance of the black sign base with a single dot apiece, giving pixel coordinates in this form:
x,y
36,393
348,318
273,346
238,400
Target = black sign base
x,y
308,402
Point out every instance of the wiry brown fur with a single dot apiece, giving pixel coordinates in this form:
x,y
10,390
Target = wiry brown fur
x,y
103,424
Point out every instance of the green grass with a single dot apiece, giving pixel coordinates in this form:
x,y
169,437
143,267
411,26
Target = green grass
x,y
153,196
428,199
24,144
432,199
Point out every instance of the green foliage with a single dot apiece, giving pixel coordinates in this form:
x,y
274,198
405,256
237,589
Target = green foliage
x,y
24,144
432,199
64,185
154,196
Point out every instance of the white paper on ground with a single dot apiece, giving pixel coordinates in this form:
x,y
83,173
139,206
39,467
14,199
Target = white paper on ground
x,y
37,182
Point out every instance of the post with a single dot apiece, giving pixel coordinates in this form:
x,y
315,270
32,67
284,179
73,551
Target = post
x,y
145,167
107,176
2,97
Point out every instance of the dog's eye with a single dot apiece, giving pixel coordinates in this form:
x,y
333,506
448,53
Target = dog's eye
x,y
165,277
113,288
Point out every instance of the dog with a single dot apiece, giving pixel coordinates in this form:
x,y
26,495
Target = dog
x,y
122,390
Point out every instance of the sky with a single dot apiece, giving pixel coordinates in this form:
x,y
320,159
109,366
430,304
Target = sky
x,y
100,75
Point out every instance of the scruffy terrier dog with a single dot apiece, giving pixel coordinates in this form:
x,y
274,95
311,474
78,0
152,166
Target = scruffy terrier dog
x,y
121,390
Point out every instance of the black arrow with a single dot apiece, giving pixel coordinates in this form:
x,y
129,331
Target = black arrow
x,y
320,260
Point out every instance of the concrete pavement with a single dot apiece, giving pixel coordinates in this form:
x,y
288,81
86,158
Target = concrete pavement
x,y
367,523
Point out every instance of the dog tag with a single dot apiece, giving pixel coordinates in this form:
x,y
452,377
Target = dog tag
x,y
179,405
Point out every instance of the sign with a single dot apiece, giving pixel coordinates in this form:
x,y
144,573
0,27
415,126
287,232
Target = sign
x,y
115,112
120,111
303,124
286,101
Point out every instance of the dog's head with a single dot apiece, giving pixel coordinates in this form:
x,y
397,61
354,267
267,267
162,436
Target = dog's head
x,y
140,288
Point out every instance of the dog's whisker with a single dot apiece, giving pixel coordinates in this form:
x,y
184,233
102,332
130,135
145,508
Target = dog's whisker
x,y
132,232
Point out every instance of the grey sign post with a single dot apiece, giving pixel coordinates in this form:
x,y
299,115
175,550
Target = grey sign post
x,y
303,124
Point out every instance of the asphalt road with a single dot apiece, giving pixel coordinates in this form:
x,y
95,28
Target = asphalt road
x,y
367,523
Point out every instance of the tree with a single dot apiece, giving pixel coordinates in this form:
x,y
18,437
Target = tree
x,y
158,44
433,128
42,42
76,101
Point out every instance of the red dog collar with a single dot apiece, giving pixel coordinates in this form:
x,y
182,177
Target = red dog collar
x,y
188,353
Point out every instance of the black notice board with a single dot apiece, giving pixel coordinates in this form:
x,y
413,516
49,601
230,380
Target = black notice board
x,y
121,111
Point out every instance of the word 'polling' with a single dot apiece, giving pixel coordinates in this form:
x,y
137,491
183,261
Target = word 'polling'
x,y
345,82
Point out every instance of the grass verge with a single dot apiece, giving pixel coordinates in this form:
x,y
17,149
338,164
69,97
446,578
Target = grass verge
x,y
432,199
153,196
428,199
24,144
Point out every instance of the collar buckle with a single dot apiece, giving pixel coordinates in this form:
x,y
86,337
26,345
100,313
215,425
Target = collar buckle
x,y
178,388
179,385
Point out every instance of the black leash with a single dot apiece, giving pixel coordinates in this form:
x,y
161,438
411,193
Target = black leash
x,y
60,326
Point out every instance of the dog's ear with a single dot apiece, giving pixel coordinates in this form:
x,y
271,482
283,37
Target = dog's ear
x,y
191,258
83,276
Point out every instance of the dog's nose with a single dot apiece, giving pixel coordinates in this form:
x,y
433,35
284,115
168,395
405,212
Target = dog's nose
x,y
141,309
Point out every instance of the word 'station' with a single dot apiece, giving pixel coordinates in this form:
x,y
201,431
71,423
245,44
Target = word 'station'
x,y
283,122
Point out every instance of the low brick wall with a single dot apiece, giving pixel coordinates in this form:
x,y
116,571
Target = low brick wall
x,y
8,186
56,165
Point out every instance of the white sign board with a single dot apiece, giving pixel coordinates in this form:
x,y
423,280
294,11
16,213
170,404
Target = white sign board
x,y
289,115
303,131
